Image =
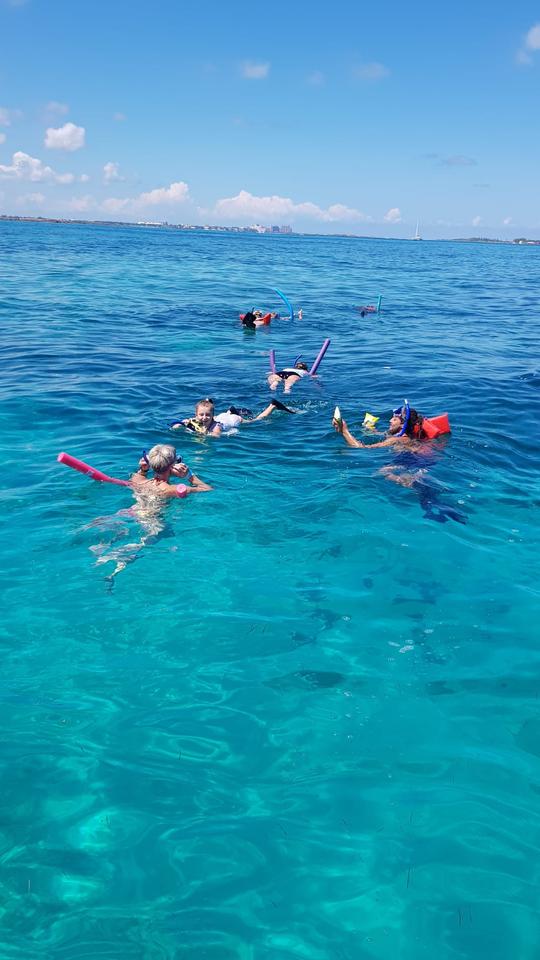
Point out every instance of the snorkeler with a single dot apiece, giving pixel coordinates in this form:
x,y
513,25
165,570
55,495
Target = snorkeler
x,y
288,376
407,428
162,460
206,422
256,318
404,428
147,512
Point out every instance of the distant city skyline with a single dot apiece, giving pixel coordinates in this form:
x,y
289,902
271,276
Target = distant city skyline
x,y
362,121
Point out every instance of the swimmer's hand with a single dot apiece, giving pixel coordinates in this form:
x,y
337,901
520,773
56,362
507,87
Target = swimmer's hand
x,y
338,425
144,466
180,470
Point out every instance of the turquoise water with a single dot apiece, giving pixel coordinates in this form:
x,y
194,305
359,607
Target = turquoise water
x,y
304,722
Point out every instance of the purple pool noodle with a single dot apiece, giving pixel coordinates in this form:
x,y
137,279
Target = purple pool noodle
x,y
320,355
273,361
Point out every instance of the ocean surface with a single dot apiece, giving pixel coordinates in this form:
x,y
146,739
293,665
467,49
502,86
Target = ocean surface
x,y
302,722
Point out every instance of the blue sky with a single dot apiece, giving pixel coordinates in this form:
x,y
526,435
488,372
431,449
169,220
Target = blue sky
x,y
348,117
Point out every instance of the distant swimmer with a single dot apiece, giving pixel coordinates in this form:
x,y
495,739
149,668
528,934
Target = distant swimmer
x,y
288,376
205,421
256,318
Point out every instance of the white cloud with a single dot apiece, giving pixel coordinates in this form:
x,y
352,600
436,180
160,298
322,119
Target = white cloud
x,y
84,178
316,78
59,109
476,221
507,221
175,193
393,215
36,199
531,42
119,117
254,71
2,138
25,167
7,116
111,172
247,206
69,137
371,71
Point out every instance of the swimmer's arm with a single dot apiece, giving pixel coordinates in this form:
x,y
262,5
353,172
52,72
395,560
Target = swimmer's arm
x,y
197,485
340,426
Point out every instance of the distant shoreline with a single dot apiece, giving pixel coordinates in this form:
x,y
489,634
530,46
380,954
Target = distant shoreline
x,y
204,228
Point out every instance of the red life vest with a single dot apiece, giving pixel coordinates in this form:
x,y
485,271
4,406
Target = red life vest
x,y
434,426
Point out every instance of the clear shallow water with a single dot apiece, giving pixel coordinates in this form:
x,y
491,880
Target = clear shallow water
x,y
305,722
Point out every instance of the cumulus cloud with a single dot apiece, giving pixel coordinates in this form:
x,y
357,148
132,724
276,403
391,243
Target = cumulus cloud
x,y
84,178
393,215
371,71
25,167
111,172
254,71
507,221
476,221
2,138
69,137
175,193
247,206
56,108
531,43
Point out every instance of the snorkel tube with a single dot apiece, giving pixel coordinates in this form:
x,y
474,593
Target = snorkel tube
x,y
286,302
407,417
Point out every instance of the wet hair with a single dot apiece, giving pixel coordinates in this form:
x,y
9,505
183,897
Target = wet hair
x,y
414,426
301,365
161,457
249,319
207,402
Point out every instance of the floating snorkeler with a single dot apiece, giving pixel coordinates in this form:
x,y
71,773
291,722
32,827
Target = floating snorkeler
x,y
207,422
406,430
256,318
406,427
288,376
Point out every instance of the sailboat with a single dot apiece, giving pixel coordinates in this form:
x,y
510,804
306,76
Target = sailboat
x,y
417,235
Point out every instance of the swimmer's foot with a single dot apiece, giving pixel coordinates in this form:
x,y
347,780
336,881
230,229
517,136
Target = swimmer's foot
x,y
281,406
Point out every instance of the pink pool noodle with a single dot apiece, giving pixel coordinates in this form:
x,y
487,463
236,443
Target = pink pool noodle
x,y
273,361
320,355
83,467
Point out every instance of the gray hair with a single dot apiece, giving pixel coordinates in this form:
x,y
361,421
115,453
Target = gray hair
x,y
161,457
